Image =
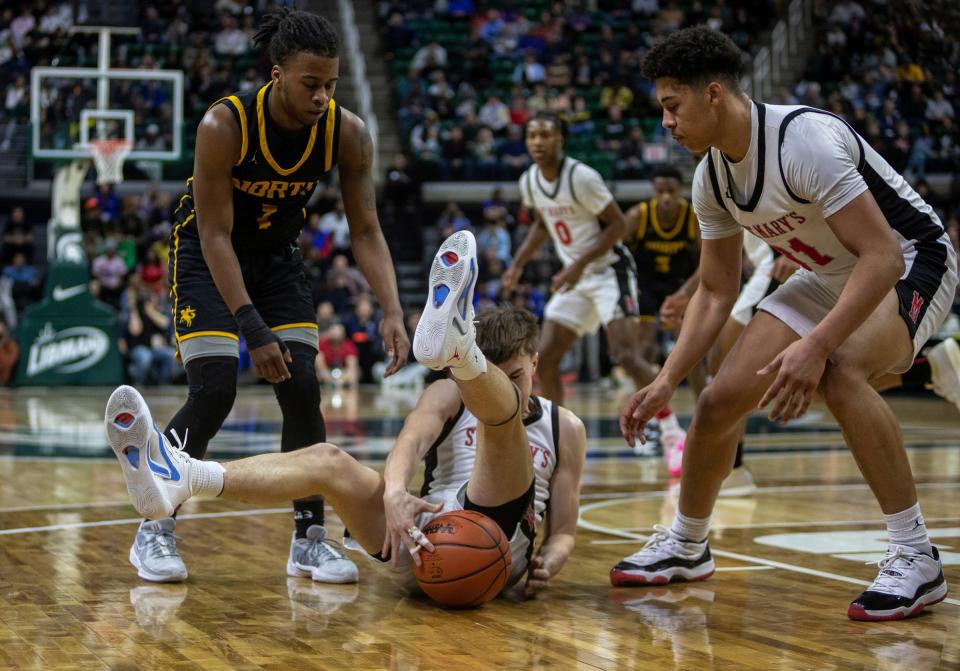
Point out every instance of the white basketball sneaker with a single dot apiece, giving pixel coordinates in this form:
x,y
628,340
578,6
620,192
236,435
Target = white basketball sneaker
x,y
908,581
664,558
446,335
944,361
315,557
159,476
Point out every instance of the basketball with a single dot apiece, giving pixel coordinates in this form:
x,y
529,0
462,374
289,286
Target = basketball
x,y
470,563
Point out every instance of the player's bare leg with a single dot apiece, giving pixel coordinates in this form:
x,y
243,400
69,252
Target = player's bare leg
x,y
869,426
354,491
555,341
734,392
503,469
626,349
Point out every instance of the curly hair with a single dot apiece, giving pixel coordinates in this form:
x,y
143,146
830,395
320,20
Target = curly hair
x,y
504,332
694,55
286,32
667,171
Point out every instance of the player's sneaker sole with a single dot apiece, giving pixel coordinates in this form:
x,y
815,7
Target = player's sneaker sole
x,y
129,425
622,577
445,332
934,594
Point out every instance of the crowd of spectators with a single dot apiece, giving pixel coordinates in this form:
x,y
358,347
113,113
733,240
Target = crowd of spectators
x,y
210,42
468,76
891,70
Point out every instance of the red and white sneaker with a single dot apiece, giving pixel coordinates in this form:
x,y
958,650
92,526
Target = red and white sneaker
x,y
673,441
664,558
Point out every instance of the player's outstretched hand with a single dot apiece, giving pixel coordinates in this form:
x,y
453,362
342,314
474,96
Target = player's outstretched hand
x,y
270,362
400,508
538,576
395,342
510,278
567,278
641,407
799,368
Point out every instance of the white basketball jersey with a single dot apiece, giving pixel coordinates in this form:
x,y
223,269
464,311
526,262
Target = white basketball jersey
x,y
569,208
449,463
757,251
803,166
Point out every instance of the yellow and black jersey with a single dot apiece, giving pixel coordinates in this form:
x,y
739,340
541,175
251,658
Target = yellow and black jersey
x,y
664,253
275,174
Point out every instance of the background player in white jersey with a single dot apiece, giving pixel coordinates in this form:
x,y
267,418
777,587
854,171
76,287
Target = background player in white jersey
x,y
878,274
496,448
597,286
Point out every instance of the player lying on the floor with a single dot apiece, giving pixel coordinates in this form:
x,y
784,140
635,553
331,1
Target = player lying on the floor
x,y
489,444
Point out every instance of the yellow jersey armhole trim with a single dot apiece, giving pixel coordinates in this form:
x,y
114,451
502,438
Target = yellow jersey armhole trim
x,y
328,136
265,149
644,215
235,101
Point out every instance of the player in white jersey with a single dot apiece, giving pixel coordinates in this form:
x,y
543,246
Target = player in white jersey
x,y
878,275
597,286
489,445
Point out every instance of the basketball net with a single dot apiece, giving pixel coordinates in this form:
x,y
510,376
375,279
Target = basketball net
x,y
108,157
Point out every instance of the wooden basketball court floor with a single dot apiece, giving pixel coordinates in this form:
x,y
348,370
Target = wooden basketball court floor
x,y
789,558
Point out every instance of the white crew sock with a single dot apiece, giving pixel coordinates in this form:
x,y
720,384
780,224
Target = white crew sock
x,y
472,364
206,478
690,528
907,528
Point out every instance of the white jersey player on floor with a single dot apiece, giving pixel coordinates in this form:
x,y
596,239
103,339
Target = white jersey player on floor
x,y
878,277
489,444
597,286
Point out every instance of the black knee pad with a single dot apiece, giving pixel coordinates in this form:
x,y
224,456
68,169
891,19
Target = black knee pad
x,y
212,390
299,399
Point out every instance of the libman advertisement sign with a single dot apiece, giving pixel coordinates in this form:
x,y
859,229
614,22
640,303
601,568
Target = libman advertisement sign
x,y
75,349
68,338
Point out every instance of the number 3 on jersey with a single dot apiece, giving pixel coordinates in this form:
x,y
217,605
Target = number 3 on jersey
x,y
563,232
264,218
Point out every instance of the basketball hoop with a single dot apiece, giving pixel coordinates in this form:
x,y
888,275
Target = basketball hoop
x,y
108,157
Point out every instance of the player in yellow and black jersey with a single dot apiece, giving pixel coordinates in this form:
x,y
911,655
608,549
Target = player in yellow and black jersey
x,y
664,237
236,270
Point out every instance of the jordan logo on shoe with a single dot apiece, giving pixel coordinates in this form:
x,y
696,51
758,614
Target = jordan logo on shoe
x,y
456,355
918,522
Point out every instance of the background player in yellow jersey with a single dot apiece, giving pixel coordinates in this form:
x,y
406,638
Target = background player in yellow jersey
x,y
663,236
236,270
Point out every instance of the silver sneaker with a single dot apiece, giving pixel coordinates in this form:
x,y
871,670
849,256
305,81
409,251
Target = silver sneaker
x,y
315,557
154,552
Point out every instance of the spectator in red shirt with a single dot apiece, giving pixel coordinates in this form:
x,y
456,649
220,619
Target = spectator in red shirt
x,y
338,359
